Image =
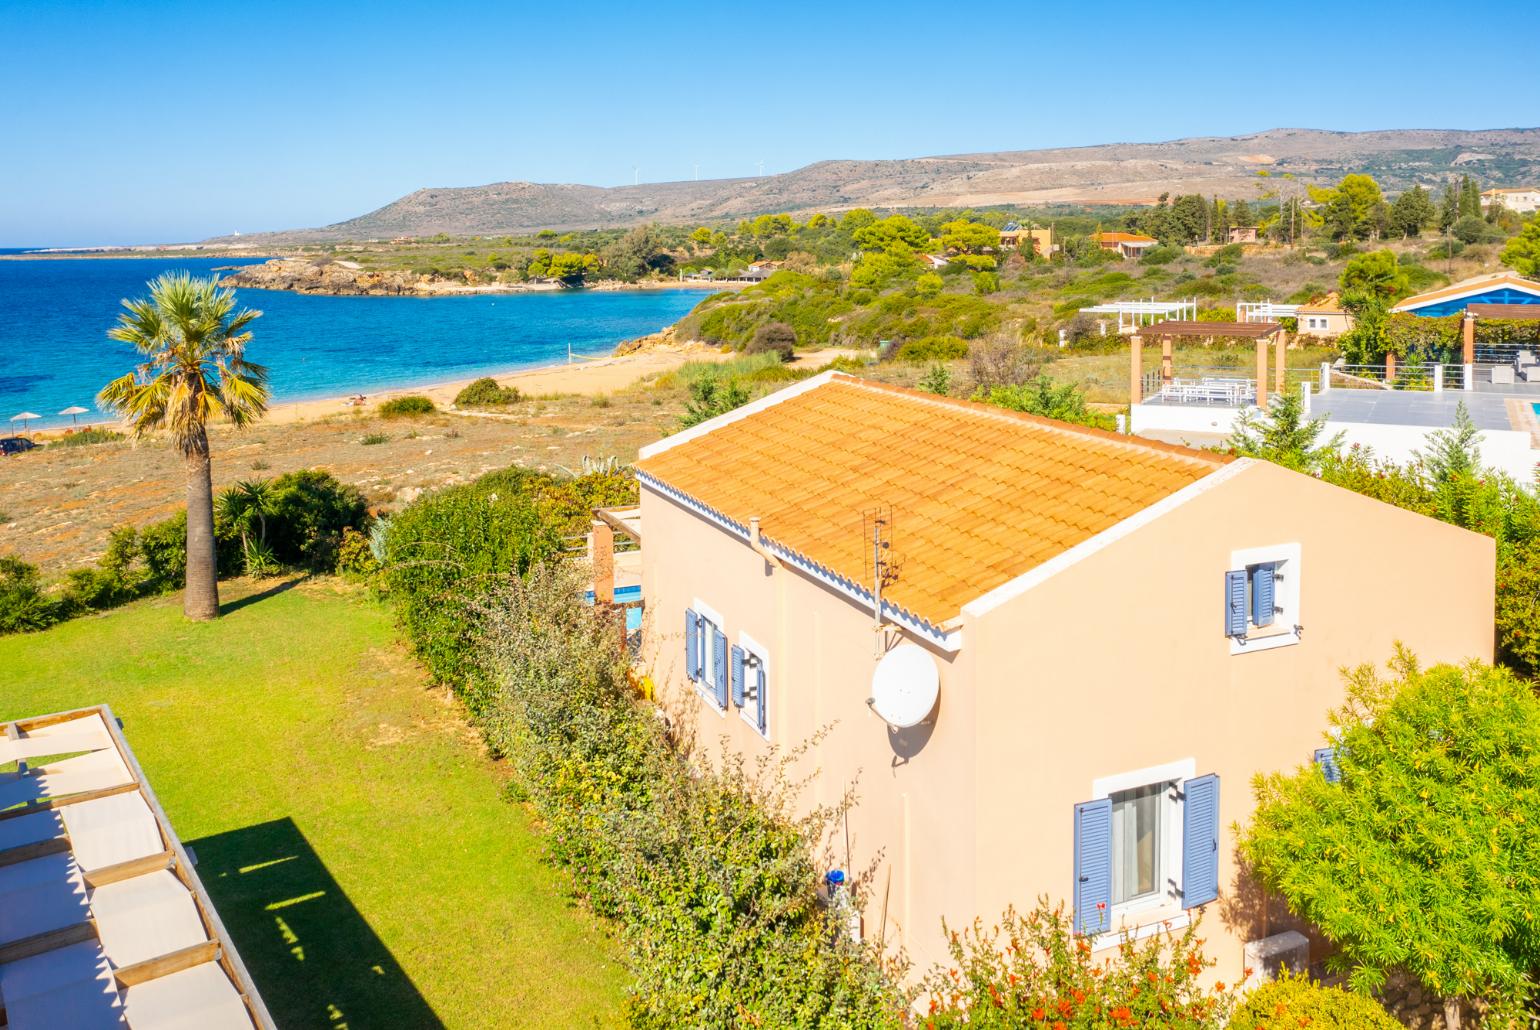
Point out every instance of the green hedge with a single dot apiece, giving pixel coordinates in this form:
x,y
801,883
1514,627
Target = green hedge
x,y
450,548
712,878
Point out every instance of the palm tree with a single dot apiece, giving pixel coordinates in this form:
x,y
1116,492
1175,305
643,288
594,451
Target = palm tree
x,y
194,343
246,506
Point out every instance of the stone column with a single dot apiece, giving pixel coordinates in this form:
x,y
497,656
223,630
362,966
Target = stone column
x,y
1165,361
1390,366
1135,369
1261,372
1468,339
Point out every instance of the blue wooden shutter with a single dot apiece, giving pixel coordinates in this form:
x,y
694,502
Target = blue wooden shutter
x,y
761,698
1235,603
1262,595
719,663
737,675
691,644
1326,758
1200,841
1093,866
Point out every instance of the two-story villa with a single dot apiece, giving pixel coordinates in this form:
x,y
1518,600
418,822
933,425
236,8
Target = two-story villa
x,y
1119,634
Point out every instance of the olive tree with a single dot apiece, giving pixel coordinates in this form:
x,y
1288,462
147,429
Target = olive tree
x,y
1416,847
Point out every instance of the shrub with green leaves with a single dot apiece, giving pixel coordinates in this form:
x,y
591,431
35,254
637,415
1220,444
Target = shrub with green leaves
x,y
310,510
24,607
1042,396
411,405
713,878
1294,1001
933,348
449,548
88,436
486,393
1423,855
1032,970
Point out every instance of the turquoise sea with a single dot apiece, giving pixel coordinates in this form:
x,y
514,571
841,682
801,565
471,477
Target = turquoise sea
x,y
55,313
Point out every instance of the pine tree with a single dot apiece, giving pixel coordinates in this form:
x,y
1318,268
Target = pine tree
x,y
1448,207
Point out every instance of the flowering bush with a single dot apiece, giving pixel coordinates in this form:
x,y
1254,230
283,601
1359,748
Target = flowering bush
x,y
1294,1002
1032,971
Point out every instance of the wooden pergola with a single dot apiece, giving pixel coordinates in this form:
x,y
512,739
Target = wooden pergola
x,y
1264,333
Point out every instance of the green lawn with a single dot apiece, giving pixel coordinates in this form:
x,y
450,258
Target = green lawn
x,y
344,821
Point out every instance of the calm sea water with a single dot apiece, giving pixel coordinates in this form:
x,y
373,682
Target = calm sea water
x,y
55,313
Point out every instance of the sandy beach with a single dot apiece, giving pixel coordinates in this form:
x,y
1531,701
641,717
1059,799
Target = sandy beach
x,y
584,378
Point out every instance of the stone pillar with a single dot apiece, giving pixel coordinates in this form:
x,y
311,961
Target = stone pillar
x,y
1135,369
1468,339
601,554
1390,366
1280,363
1261,373
1165,361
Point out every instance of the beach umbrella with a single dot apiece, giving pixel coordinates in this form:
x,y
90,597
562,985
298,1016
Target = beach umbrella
x,y
73,411
23,417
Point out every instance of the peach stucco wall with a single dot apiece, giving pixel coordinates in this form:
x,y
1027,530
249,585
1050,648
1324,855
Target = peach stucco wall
x,y
915,814
1114,664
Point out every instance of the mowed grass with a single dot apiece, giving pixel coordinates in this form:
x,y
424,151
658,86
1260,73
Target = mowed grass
x,y
344,820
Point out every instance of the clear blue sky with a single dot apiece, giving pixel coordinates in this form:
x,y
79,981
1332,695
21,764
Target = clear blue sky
x,y
149,121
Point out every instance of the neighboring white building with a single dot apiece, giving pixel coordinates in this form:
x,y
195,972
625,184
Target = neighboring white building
x,y
1523,199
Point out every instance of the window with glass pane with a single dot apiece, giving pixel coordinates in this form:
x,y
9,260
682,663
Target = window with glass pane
x,y
1136,817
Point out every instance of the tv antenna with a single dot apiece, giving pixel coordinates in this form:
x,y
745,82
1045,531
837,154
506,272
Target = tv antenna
x,y
881,565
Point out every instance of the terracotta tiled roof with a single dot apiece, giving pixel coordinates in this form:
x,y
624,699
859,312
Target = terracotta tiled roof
x,y
1124,237
979,494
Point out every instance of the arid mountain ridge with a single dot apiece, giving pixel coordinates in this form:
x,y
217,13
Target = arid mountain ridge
x,y
1115,173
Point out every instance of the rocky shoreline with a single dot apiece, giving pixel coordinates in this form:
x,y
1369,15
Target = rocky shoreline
x,y
350,279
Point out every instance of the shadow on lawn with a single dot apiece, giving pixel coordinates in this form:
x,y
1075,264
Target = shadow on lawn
x,y
312,954
261,595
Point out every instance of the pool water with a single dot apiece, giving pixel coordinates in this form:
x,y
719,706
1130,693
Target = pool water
x,y
622,594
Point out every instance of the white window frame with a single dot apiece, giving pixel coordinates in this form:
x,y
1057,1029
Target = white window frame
x,y
706,685
1285,630
1167,900
759,651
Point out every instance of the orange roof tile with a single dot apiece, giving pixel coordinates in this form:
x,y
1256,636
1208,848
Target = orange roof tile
x,y
979,494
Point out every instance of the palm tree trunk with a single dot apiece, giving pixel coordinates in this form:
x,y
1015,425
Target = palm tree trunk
x,y
201,598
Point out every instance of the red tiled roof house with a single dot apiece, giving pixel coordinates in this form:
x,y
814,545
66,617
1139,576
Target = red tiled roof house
x,y
1122,631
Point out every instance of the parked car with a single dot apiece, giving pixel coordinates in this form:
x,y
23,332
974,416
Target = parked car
x,y
15,445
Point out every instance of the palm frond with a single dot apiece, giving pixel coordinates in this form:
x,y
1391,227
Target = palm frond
x,y
194,341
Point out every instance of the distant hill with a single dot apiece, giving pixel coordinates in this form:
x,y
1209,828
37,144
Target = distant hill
x,y
1114,173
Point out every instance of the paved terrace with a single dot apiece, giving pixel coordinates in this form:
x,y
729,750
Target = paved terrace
x,y
1416,408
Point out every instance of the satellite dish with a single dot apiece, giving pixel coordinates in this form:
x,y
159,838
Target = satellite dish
x,y
905,686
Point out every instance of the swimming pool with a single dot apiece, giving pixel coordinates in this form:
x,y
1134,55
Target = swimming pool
x,y
622,595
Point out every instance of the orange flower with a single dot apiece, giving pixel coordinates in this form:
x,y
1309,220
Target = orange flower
x,y
1037,1013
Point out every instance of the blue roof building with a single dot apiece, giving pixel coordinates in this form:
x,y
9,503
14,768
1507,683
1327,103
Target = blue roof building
x,y
1496,288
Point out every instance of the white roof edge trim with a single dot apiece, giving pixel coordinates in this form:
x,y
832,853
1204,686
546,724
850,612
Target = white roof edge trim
x,y
950,641
1013,589
769,400
1474,290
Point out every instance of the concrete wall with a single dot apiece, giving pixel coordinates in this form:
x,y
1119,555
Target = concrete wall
x,y
1114,664
1508,450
